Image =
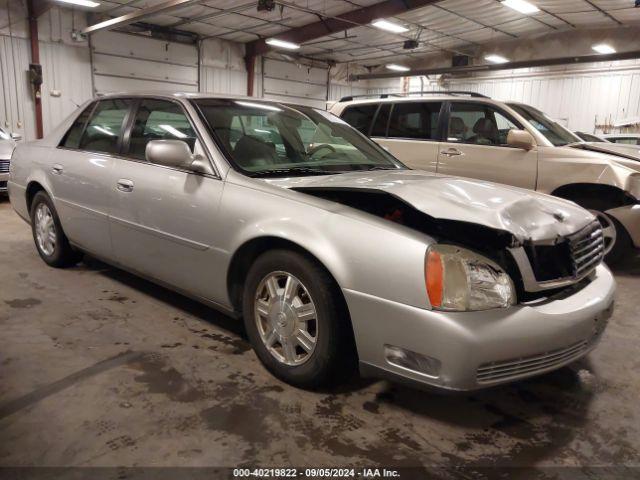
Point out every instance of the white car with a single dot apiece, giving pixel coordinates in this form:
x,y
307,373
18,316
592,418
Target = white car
x,y
470,135
7,145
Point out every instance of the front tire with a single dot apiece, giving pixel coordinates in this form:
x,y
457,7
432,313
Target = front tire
x,y
51,242
617,241
296,320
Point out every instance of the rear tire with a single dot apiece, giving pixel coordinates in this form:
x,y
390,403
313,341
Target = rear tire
x,y
51,242
297,321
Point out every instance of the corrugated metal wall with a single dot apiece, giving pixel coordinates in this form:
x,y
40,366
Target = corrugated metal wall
x,y
65,67
222,68
579,96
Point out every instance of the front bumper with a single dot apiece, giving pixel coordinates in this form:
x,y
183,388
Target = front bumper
x,y
481,349
629,217
4,181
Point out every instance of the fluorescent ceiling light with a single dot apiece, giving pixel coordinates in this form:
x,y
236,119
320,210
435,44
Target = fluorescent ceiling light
x,y
258,105
82,3
398,68
274,42
173,131
389,26
521,6
604,49
496,59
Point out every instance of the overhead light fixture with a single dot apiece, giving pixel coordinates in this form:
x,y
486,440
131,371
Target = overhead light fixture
x,y
604,49
521,6
275,42
389,26
82,3
496,59
398,68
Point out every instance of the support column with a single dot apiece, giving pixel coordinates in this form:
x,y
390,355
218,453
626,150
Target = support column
x,y
250,64
35,58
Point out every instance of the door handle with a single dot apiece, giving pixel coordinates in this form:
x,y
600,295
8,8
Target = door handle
x,y
451,152
57,169
124,185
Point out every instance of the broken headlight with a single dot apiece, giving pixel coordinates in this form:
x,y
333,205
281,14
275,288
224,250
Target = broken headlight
x,y
461,280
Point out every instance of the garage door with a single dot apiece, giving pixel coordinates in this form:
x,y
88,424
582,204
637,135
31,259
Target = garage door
x,y
292,83
123,62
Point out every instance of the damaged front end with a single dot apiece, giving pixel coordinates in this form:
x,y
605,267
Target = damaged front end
x,y
538,267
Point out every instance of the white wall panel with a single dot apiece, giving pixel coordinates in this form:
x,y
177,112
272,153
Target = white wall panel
x,y
338,90
222,69
574,95
223,81
65,69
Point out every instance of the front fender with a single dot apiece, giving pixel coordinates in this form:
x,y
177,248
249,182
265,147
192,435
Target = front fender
x,y
362,252
561,166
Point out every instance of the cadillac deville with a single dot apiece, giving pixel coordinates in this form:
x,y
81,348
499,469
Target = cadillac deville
x,y
331,251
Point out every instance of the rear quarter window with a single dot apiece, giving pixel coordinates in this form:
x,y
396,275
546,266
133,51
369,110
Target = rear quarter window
x,y
74,134
360,116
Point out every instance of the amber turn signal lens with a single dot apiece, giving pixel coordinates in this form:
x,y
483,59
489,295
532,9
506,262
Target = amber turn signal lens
x,y
434,278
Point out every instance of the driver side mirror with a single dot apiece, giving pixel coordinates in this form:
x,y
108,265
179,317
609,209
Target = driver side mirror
x,y
174,153
16,137
521,139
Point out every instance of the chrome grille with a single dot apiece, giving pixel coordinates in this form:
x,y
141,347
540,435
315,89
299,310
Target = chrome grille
x,y
502,371
587,249
4,166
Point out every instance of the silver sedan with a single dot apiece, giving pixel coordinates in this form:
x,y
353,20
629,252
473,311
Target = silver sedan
x,y
332,252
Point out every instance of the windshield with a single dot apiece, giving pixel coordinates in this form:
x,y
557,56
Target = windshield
x,y
552,130
271,139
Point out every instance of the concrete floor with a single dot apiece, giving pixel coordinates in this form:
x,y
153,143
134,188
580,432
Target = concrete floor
x,y
100,368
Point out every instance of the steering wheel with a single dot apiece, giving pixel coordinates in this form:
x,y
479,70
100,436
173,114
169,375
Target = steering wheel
x,y
317,148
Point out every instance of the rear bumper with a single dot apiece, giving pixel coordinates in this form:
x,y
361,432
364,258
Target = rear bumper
x,y
480,349
629,217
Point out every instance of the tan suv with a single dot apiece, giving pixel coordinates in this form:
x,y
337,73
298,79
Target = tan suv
x,y
470,135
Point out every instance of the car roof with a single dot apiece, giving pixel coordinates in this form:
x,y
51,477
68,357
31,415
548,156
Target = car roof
x,y
399,99
621,135
191,95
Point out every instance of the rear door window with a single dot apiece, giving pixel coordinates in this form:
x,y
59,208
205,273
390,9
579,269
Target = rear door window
x,y
417,120
74,134
104,129
360,116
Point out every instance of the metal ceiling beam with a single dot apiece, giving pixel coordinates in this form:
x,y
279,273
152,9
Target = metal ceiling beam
x,y
139,15
340,23
604,12
502,66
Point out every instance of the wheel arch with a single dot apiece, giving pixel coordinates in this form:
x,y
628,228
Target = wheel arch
x,y
33,187
608,195
250,250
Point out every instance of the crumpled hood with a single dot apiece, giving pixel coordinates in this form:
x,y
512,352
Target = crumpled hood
x,y
526,214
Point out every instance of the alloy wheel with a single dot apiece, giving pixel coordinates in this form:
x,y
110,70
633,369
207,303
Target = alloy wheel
x,y
286,318
45,229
